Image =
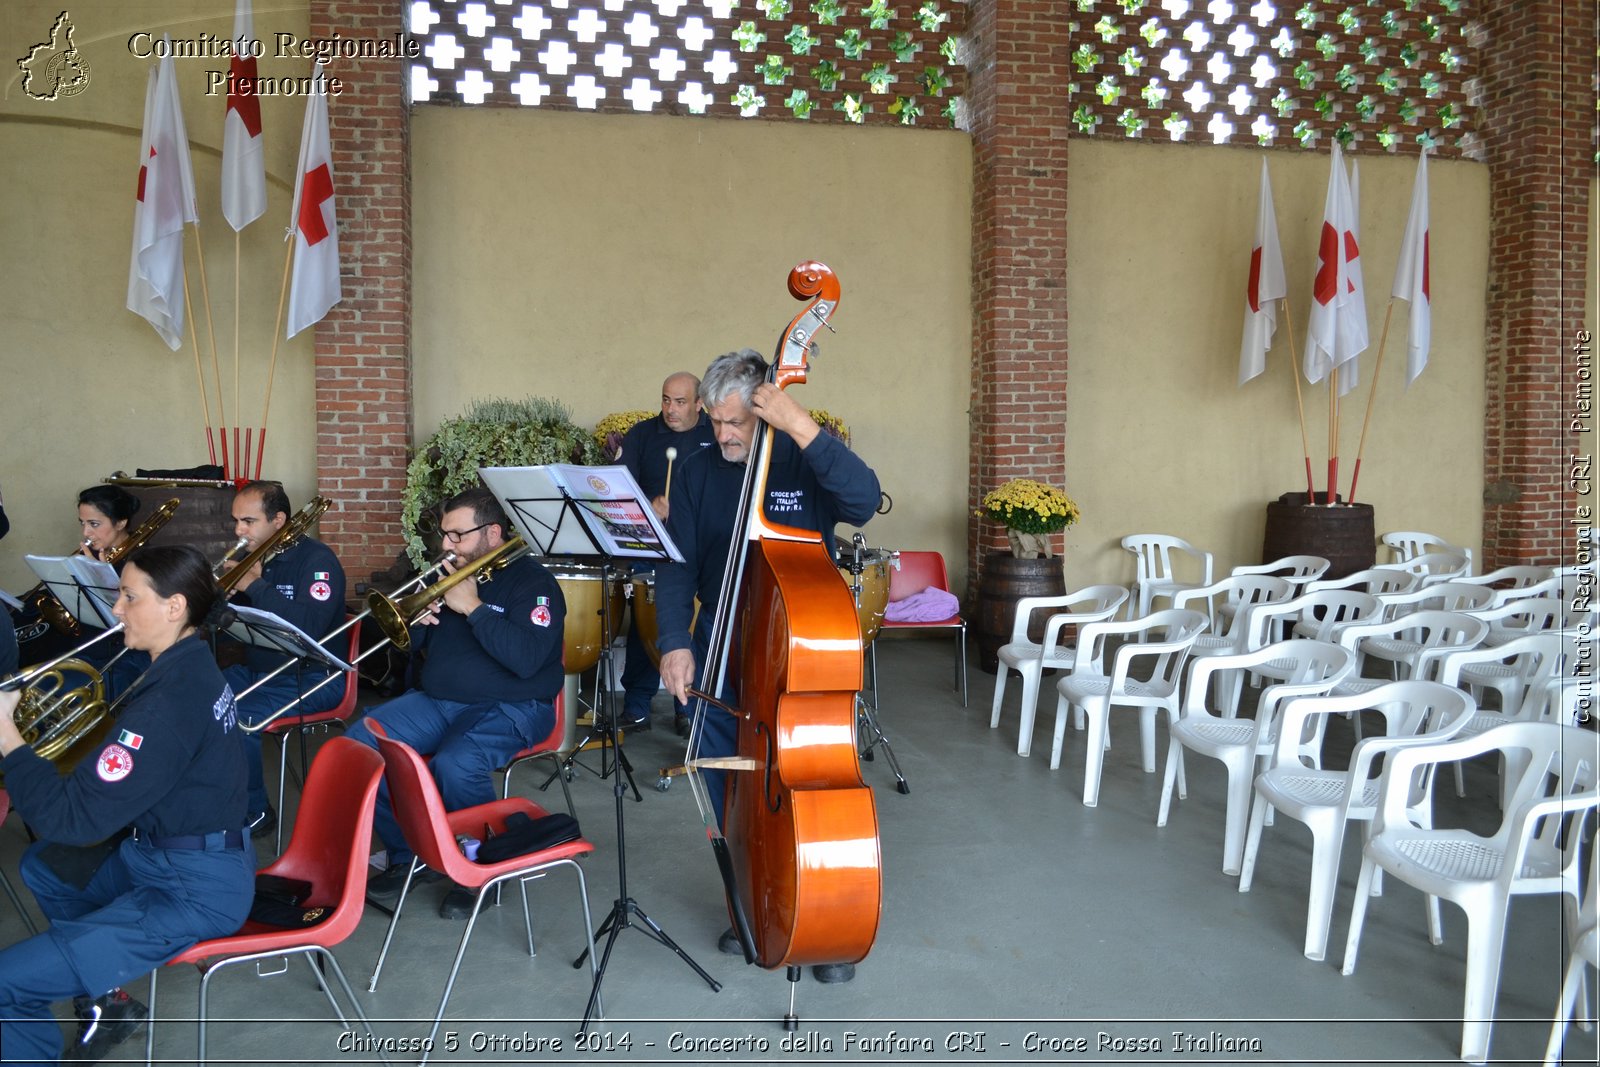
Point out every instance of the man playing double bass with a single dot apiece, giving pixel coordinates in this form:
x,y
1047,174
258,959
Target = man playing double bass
x,y
814,482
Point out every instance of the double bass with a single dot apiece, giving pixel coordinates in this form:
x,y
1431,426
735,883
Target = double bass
x,y
800,856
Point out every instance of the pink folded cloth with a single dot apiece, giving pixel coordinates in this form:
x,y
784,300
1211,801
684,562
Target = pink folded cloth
x,y
930,605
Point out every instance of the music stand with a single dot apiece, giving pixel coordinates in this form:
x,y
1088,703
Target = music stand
x,y
594,511
262,629
85,587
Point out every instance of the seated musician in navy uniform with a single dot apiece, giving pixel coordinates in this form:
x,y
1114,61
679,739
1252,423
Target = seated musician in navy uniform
x,y
684,427
302,585
174,772
815,481
490,674
8,632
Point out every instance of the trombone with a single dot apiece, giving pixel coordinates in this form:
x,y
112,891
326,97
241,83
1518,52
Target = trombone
x,y
298,526
52,611
354,620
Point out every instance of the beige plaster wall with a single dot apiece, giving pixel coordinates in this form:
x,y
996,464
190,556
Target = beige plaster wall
x,y
586,257
86,386
1159,436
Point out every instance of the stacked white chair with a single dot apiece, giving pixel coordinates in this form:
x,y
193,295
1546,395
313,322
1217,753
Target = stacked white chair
x,y
1158,645
1535,850
1414,712
1298,668
1095,603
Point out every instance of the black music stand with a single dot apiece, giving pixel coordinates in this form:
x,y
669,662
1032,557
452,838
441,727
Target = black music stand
x,y
263,629
560,510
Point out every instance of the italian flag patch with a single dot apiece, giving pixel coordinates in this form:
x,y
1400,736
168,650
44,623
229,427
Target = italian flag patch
x,y
131,739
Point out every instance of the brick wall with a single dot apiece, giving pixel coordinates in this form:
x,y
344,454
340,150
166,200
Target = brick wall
x,y
363,376
1536,123
1018,63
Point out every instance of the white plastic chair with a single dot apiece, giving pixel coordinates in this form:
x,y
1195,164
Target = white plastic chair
x,y
1511,669
1315,615
1519,618
1298,668
1158,645
1415,631
1154,572
1296,569
1431,567
1227,605
1585,941
1374,580
1440,596
1095,603
1404,545
1414,712
1509,582
1534,850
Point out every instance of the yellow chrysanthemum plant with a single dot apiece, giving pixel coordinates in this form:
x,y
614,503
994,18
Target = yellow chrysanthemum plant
x,y
1031,512
832,425
610,431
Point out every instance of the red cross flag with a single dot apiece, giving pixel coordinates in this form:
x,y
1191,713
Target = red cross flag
x,y
1264,289
244,169
315,285
1411,275
1337,331
163,201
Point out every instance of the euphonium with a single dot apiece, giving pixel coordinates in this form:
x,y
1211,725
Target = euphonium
x,y
51,610
298,526
396,617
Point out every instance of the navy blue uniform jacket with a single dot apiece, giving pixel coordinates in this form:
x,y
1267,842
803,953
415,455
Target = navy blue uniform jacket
x,y
812,489
171,765
644,450
303,585
508,649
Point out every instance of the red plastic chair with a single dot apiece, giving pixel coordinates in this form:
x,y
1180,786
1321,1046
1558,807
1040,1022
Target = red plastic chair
x,y
550,749
328,851
925,570
300,725
431,832
5,883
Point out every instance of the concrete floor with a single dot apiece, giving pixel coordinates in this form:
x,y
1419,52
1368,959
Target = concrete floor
x,y
1017,925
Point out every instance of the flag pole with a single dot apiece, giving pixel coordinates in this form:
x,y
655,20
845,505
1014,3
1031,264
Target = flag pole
x,y
200,379
216,371
189,309
244,461
1299,404
1333,435
272,367
1383,340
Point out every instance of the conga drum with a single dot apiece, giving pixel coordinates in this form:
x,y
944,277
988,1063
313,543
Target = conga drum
x,y
644,613
874,590
583,638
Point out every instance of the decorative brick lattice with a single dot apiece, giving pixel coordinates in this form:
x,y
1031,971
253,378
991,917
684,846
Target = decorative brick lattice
x,y
1276,72
833,60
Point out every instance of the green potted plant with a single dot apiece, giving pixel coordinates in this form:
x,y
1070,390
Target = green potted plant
x,y
490,433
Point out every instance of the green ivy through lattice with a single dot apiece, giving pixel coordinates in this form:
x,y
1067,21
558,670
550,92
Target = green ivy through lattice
x,y
853,60
1285,72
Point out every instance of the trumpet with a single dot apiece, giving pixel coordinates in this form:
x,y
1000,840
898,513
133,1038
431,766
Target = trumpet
x,y
354,620
396,617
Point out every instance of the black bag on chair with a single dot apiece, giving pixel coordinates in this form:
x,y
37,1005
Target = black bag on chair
x,y
523,835
281,902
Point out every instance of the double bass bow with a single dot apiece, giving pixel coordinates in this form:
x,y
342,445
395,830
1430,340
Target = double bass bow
x,y
800,856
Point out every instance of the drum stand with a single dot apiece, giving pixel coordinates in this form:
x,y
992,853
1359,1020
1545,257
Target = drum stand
x,y
624,910
604,718
867,726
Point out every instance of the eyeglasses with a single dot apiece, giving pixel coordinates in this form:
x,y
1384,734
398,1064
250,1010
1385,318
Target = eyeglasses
x,y
455,537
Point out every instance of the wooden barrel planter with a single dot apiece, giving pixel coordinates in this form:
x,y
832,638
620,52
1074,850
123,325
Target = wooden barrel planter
x,y
1006,580
1343,535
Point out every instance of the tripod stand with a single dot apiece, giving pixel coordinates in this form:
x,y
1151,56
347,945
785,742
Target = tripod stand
x,y
867,726
608,740
624,910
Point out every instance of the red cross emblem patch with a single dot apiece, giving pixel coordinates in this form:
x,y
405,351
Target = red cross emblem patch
x,y
321,590
115,763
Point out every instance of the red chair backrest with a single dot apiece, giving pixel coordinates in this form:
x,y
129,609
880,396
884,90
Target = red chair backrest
x,y
352,679
331,837
918,571
418,807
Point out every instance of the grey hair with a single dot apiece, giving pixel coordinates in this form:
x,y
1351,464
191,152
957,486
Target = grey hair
x,y
736,373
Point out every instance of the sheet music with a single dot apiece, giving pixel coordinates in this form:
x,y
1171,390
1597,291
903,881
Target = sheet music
x,y
83,597
617,520
96,575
